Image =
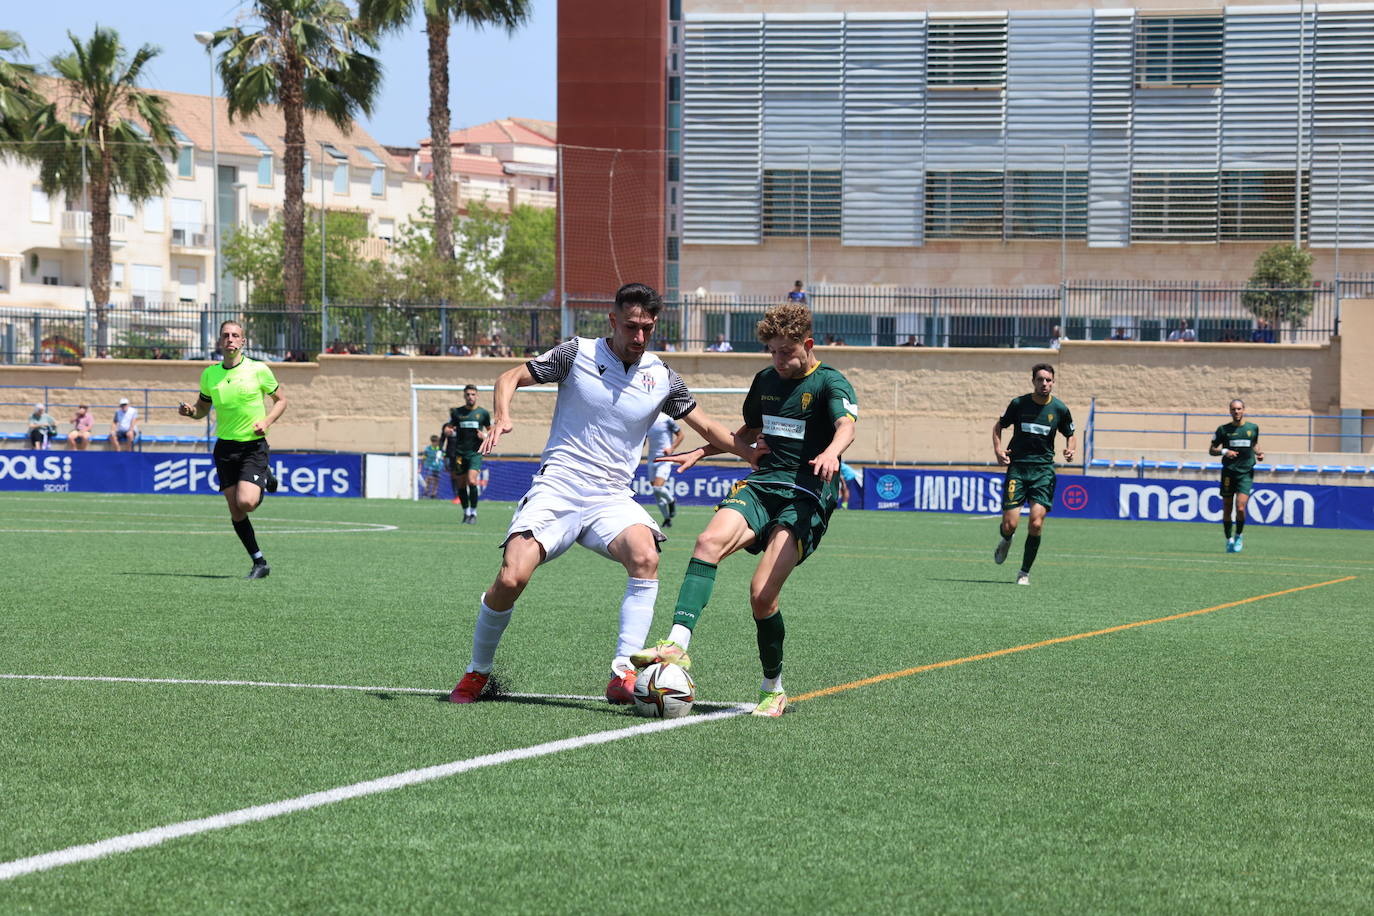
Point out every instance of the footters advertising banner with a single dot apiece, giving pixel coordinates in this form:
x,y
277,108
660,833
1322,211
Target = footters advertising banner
x,y
699,486
980,492
170,472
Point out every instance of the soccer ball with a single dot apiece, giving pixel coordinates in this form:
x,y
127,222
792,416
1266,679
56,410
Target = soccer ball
x,y
664,691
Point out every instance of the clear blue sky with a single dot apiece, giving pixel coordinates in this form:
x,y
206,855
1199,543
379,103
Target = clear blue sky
x,y
491,75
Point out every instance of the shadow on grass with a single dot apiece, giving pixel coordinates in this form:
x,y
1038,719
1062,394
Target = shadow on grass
x,y
975,581
178,575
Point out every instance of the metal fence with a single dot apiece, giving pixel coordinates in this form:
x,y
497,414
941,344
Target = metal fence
x,y
856,316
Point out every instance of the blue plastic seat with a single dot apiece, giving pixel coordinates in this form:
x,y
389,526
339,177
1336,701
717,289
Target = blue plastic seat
x,y
1356,469
1307,469
1284,468
1099,463
1192,465
1167,465
1333,469
1127,463
1212,466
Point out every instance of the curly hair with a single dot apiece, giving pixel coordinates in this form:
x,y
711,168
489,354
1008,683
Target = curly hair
x,y
791,320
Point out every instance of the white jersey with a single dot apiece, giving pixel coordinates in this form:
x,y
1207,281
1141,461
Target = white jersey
x,y
604,409
661,435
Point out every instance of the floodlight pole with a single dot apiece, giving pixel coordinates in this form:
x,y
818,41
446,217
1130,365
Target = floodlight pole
x,y
207,39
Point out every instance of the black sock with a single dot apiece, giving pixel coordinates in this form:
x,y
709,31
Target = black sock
x,y
462,489
472,496
244,530
1226,526
1240,523
770,635
1028,555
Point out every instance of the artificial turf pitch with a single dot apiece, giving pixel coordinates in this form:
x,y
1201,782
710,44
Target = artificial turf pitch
x,y
1211,762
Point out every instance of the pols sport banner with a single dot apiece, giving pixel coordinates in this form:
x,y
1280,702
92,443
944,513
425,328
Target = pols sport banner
x,y
980,492
704,485
170,472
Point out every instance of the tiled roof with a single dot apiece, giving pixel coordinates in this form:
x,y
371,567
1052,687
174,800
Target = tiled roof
x,y
505,130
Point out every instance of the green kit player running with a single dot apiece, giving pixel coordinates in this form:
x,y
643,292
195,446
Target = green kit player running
x,y
1029,461
470,424
1237,443
804,413
235,388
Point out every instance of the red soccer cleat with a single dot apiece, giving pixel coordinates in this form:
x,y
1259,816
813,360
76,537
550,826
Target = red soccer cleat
x,y
469,688
621,689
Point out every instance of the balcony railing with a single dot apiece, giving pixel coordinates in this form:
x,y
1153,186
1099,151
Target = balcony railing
x,y
76,228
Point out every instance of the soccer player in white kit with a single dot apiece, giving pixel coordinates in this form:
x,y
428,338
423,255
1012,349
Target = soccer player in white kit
x,y
664,438
610,390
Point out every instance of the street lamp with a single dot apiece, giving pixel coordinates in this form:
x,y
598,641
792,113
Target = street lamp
x,y
207,39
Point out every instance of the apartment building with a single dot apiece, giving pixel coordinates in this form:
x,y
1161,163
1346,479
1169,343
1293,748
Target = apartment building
x,y
163,250
502,163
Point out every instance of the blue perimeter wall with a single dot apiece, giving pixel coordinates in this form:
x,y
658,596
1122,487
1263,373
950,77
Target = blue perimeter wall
x,y
885,489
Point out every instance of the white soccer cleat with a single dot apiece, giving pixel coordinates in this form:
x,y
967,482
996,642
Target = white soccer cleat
x,y
999,555
1023,578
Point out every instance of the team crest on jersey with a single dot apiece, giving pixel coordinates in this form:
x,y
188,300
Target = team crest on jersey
x,y
806,400
647,380
1051,419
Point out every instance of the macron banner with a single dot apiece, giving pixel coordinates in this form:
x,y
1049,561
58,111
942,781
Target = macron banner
x,y
170,472
980,492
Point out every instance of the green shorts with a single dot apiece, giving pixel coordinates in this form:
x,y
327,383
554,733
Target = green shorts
x,y
766,507
1233,482
1028,482
462,462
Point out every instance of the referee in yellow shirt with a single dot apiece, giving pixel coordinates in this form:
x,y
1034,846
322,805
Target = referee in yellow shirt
x,y
235,388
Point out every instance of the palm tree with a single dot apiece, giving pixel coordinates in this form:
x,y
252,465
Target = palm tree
x,y
102,135
393,15
299,54
18,99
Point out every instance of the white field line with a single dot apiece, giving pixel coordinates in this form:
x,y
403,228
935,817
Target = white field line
x,y
158,835
364,689
165,533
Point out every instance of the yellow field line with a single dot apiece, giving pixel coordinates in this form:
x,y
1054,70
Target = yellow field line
x,y
891,675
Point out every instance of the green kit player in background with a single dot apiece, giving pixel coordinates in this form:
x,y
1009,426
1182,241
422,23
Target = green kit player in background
x,y
1029,461
470,424
1237,443
236,388
801,413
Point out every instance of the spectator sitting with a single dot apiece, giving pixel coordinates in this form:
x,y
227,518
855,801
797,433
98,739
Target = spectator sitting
x,y
1263,332
839,342
666,346
124,426
1183,332
1121,334
721,345
458,348
159,353
798,293
497,348
42,427
395,350
82,425
1056,338
910,341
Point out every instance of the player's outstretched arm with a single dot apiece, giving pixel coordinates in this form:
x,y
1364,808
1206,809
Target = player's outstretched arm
x,y
827,464
501,422
719,441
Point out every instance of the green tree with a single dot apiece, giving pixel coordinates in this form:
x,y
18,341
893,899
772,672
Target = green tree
x,y
255,254
1280,288
438,15
102,135
526,263
300,55
19,100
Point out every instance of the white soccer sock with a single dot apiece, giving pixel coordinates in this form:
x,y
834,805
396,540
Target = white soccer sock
x,y
636,616
680,635
486,635
772,684
662,497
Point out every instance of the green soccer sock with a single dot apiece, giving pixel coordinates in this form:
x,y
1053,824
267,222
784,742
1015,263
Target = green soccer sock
x,y
462,489
1240,523
770,635
1226,526
695,592
1032,548
472,496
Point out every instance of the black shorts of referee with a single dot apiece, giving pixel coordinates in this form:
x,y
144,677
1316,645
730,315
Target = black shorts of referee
x,y
235,461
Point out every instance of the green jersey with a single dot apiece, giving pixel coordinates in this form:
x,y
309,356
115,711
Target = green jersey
x,y
467,421
1241,439
237,394
798,418
1034,426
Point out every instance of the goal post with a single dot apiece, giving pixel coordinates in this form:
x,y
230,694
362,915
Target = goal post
x,y
416,388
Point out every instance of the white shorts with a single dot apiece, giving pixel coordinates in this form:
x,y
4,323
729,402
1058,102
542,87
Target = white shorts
x,y
661,469
560,513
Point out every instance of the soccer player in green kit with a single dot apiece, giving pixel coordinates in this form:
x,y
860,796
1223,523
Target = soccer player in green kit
x,y
1237,444
802,414
1030,462
470,424
235,388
